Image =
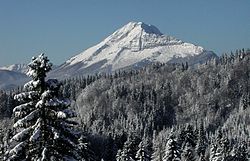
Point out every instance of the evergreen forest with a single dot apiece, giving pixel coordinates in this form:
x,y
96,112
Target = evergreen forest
x,y
161,112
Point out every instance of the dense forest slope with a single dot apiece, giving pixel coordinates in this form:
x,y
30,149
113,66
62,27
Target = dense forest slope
x,y
203,110
163,95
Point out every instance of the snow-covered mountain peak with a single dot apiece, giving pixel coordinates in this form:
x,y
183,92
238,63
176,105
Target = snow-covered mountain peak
x,y
134,31
134,36
135,44
137,28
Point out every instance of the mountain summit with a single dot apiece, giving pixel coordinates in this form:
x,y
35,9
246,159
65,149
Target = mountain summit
x,y
134,45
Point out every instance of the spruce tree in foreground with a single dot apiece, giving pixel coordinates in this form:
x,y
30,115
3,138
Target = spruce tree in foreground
x,y
43,129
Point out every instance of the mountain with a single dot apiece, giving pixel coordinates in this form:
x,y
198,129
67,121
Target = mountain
x,y
132,46
14,75
21,68
11,79
135,45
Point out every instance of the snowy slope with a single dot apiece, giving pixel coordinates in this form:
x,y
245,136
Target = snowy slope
x,y
11,79
134,44
22,68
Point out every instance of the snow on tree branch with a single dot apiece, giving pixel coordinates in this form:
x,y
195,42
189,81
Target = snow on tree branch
x,y
17,149
23,122
22,134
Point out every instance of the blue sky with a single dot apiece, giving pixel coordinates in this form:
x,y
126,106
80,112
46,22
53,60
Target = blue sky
x,y
64,28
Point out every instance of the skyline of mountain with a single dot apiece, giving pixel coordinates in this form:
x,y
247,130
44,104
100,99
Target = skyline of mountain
x,y
61,29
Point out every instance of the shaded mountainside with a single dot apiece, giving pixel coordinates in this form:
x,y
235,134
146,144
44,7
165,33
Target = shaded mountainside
x,y
134,45
11,79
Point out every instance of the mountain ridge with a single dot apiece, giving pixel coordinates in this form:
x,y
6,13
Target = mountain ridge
x,y
22,68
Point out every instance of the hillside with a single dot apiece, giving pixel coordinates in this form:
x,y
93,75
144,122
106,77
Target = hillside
x,y
151,101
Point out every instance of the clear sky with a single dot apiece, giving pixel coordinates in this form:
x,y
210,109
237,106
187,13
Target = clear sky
x,y
64,28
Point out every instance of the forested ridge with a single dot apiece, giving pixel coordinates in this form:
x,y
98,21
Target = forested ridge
x,y
160,112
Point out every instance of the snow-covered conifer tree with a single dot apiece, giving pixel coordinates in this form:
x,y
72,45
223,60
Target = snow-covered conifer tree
x,y
189,136
1,145
188,153
223,148
159,148
241,152
172,152
87,153
201,158
202,141
43,129
142,154
119,155
213,148
124,155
